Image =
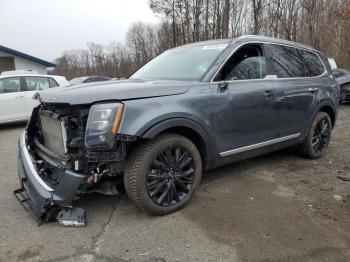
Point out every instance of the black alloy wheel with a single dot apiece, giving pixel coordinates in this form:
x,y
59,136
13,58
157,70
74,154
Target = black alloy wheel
x,y
171,176
321,136
163,173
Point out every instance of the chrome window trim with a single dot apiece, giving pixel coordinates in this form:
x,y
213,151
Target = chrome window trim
x,y
267,43
259,145
29,161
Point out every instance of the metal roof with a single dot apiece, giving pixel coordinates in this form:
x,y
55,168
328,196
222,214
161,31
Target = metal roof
x,y
26,56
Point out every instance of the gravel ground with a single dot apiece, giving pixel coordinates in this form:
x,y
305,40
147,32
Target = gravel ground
x,y
277,207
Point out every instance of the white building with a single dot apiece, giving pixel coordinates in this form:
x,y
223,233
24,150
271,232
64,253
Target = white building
x,y
14,60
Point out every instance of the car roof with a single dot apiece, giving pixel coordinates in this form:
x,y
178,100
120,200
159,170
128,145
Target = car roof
x,y
273,40
249,38
35,75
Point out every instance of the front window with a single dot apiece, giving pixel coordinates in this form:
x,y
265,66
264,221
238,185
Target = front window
x,y
184,63
248,63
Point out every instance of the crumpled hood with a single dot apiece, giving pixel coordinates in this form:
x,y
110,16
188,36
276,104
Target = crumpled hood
x,y
114,90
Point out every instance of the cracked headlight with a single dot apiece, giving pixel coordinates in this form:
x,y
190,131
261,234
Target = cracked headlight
x,y
102,125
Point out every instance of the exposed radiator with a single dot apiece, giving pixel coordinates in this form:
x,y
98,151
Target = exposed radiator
x,y
54,134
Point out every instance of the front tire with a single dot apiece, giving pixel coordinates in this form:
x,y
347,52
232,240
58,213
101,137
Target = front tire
x,y
163,173
318,137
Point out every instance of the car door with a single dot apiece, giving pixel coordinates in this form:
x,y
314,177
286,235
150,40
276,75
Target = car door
x,y
34,84
12,100
243,95
296,87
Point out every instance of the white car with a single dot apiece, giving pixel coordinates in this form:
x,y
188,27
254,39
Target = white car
x,y
17,91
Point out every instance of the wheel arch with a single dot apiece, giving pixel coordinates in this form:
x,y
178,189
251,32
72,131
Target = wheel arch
x,y
324,106
330,111
189,129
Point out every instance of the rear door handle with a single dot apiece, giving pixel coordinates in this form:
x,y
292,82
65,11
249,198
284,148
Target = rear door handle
x,y
268,93
20,96
313,89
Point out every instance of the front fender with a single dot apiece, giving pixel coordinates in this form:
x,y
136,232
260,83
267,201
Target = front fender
x,y
149,117
179,122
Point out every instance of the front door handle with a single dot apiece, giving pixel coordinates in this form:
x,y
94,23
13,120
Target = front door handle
x,y
268,93
19,97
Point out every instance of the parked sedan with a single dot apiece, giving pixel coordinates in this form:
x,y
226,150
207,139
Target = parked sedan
x,y
343,78
88,79
17,91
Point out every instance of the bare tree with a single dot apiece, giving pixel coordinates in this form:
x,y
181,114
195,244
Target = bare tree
x,y
323,24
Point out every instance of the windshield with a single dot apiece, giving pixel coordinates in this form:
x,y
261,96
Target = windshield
x,y
185,63
78,80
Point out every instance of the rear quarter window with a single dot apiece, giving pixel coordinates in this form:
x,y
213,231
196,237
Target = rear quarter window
x,y
313,64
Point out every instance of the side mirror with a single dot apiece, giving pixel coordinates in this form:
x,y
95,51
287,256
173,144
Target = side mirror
x,y
222,87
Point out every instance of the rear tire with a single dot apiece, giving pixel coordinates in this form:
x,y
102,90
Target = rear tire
x,y
318,137
163,173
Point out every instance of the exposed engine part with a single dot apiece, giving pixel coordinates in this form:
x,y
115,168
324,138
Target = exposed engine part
x,y
76,142
56,135
98,172
90,179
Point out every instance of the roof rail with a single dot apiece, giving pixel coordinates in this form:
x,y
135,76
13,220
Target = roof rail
x,y
274,39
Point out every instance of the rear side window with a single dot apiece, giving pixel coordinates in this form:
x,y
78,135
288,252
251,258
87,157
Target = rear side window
x,y
35,83
285,61
247,63
10,85
313,65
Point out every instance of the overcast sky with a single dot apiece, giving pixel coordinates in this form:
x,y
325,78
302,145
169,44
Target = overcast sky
x,y
45,28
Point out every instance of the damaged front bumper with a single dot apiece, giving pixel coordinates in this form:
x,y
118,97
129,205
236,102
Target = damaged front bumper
x,y
46,202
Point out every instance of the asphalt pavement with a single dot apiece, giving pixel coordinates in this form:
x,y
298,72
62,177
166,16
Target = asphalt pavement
x,y
277,207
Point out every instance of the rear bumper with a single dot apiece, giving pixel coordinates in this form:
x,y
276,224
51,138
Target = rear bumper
x,y
42,198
